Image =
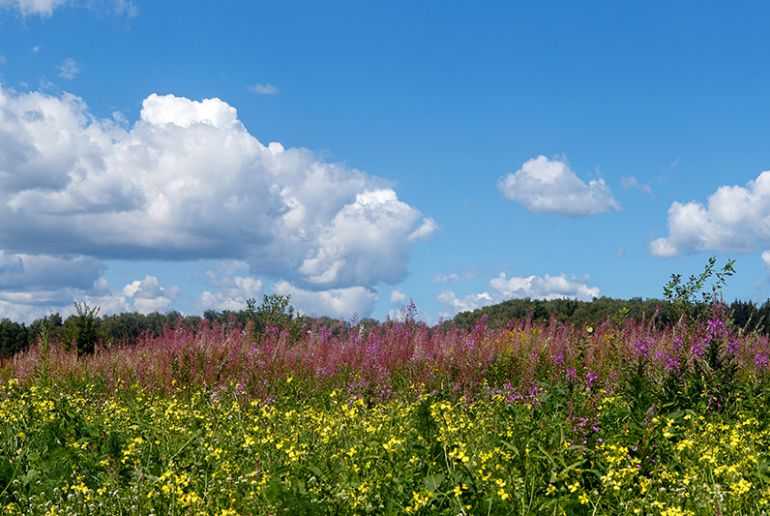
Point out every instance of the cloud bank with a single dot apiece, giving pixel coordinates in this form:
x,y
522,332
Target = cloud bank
x,y
518,287
187,181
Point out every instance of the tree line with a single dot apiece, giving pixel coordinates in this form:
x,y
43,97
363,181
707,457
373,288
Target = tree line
x,y
747,315
86,329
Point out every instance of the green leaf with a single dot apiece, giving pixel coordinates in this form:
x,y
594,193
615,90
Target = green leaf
x,y
433,482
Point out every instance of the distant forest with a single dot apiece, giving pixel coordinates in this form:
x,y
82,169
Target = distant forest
x,y
129,328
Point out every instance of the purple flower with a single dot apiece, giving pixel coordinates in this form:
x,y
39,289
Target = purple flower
x,y
715,328
733,345
697,348
761,360
591,378
672,363
642,348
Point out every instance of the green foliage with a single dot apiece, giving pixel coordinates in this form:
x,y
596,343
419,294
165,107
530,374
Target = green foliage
x,y
579,313
274,314
86,335
692,298
14,337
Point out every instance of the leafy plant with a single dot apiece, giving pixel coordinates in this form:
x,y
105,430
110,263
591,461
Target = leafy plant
x,y
691,298
86,334
273,315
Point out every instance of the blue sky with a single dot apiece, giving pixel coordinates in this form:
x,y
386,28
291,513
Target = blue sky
x,y
451,153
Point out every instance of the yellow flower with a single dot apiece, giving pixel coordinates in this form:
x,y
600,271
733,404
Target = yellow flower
x,y
583,499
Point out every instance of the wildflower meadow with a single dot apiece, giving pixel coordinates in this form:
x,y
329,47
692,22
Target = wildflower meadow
x,y
398,418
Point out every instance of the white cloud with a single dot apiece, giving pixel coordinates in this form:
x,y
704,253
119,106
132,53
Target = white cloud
x,y
32,286
46,8
264,89
143,296
148,295
341,303
549,186
632,182
504,288
3,60
467,303
546,287
187,181
397,297
735,218
69,69
425,230
231,291
27,7
766,259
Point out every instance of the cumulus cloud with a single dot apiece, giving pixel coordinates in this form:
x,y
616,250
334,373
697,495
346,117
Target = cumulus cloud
x,y
519,287
735,218
456,304
342,303
397,297
23,271
148,295
230,291
69,69
549,186
32,286
187,181
264,89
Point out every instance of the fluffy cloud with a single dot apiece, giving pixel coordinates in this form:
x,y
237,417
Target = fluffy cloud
x,y
188,181
547,287
766,260
735,218
397,297
341,303
32,286
230,291
455,304
148,295
549,186
503,288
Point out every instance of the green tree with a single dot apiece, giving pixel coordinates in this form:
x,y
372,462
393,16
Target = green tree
x,y
275,313
684,295
86,334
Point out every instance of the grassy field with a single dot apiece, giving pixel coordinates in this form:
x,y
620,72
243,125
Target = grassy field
x,y
536,418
